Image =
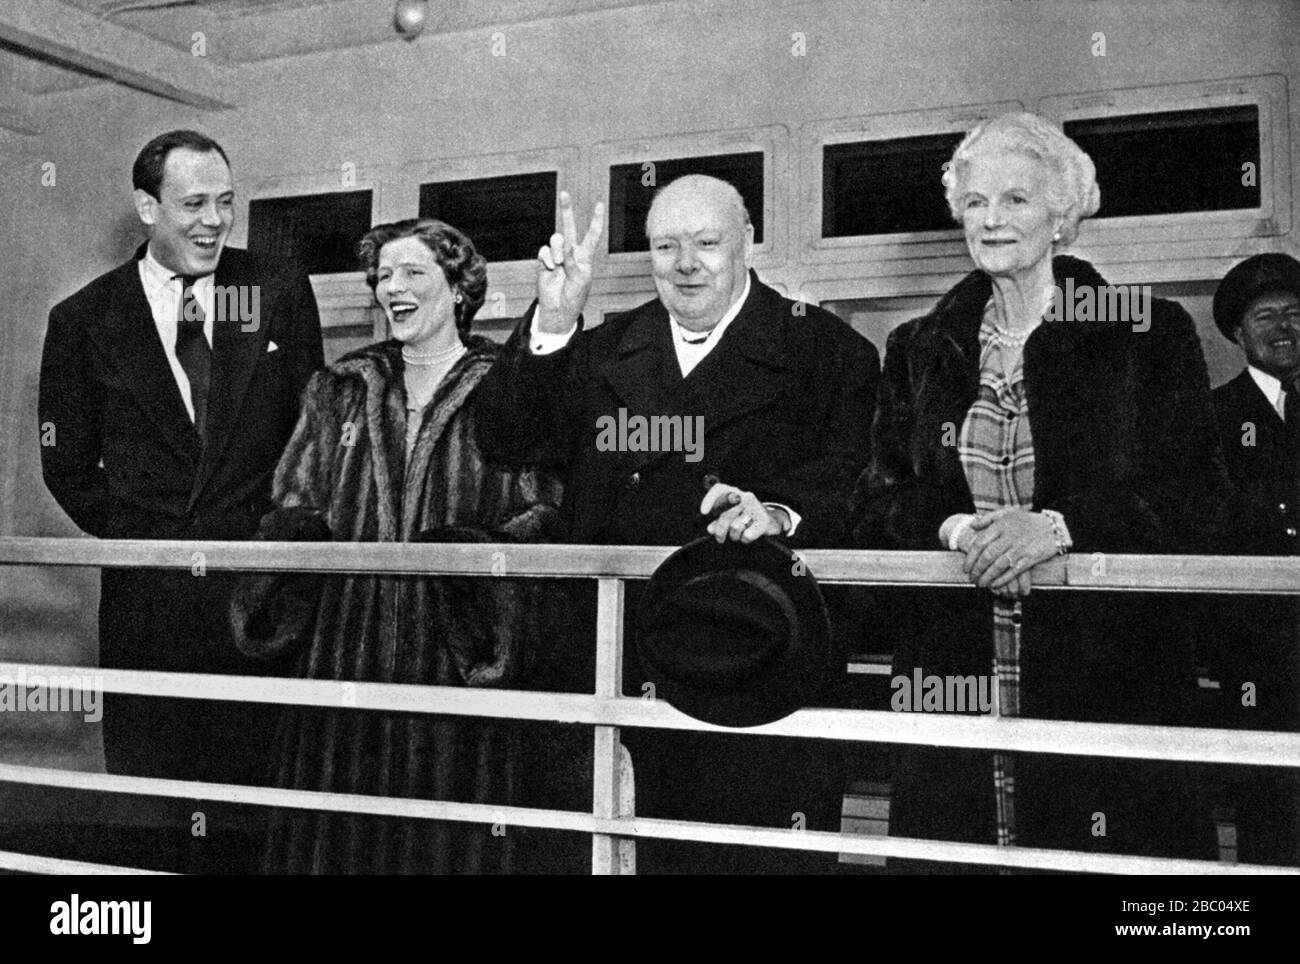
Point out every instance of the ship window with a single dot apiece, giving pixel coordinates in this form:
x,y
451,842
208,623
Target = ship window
x,y
632,187
316,232
1174,162
508,218
887,186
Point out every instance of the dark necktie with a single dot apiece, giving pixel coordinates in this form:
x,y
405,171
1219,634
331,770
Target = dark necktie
x,y
1291,416
1291,420
1291,423
193,353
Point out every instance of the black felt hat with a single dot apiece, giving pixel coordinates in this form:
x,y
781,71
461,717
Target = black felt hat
x,y
734,634
1255,276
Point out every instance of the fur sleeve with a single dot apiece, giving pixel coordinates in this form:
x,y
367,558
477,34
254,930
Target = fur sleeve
x,y
274,613
496,628
1176,497
894,506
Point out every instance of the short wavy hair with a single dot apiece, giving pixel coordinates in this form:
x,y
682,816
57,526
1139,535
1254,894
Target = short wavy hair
x,y
1072,191
464,268
150,163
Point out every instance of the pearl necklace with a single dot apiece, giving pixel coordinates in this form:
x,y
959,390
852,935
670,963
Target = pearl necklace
x,y
1009,339
1005,338
423,359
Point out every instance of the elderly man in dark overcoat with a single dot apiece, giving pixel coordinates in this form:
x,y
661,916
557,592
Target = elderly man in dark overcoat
x,y
786,394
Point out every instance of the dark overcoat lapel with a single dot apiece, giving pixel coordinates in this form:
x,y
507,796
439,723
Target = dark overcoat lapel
x,y
731,381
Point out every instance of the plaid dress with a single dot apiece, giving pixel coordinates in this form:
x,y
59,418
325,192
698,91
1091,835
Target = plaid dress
x,y
997,454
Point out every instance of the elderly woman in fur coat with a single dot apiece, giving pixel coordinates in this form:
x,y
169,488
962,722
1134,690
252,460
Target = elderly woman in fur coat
x,y
1015,425
384,451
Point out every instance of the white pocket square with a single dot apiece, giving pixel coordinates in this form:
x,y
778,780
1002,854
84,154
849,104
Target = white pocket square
x,y
271,346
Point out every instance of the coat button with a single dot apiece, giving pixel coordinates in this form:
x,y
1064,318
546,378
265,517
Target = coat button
x,y
1281,507
1291,531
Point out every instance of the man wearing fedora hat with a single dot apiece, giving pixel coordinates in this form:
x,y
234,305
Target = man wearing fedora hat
x,y
785,392
1257,306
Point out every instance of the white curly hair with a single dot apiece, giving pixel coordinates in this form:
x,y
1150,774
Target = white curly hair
x,y
1072,192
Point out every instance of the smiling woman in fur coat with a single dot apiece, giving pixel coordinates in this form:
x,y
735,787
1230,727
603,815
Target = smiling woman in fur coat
x,y
384,451
1123,457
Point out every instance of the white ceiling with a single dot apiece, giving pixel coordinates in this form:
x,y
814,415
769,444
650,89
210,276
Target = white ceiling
x,y
50,46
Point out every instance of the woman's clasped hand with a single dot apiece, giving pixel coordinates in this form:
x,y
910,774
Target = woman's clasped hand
x,y
1002,547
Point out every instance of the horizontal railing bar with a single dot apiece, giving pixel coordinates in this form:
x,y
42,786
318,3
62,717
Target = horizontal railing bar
x,y
35,864
1119,740
917,849
1164,573
788,839
300,799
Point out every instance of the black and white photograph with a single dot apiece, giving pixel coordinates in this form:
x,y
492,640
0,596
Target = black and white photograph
x,y
652,437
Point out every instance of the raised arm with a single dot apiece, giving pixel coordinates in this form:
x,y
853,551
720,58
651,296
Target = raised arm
x,y
525,412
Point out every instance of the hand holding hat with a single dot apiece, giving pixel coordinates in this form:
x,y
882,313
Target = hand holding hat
x,y
734,634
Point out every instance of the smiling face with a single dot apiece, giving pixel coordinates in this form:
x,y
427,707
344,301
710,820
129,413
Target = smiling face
x,y
1269,333
1005,214
412,289
189,221
700,247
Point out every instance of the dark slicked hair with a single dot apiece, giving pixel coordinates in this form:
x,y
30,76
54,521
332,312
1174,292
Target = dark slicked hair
x,y
464,268
147,172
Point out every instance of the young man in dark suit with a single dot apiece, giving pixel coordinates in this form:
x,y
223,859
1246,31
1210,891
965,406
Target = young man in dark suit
x,y
785,393
169,387
1257,306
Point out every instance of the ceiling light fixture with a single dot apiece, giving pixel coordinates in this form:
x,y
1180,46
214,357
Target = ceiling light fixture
x,y
409,17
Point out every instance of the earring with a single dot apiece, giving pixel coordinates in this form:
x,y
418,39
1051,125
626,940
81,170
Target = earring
x,y
1056,238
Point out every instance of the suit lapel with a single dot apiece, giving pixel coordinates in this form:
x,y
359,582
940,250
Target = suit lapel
x,y
1258,405
134,349
235,354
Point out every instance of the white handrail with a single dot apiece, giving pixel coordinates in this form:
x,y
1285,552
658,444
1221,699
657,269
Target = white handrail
x,y
628,827
609,823
1019,734
1150,573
